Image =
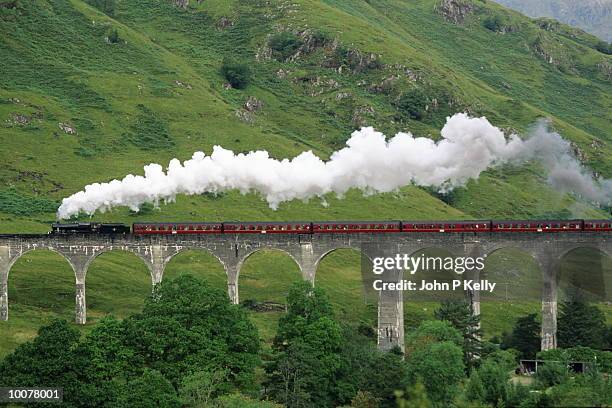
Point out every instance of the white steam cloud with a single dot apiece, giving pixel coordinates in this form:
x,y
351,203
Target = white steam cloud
x,y
368,162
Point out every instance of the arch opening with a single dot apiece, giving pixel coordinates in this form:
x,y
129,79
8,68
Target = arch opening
x,y
518,292
420,305
117,282
340,273
199,263
585,272
41,286
265,277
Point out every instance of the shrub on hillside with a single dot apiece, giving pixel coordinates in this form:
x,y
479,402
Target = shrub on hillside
x,y
238,74
105,6
497,23
284,45
604,47
113,36
413,103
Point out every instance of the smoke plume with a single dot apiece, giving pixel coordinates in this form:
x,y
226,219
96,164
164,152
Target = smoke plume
x,y
368,162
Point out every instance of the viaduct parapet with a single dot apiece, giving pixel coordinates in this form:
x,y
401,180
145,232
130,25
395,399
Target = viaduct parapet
x,y
547,249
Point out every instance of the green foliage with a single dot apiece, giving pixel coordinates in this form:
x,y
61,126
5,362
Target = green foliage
x,y
238,74
412,103
241,401
364,399
105,6
525,337
145,209
414,397
13,202
284,45
187,335
580,324
149,131
200,388
475,391
459,315
306,350
551,373
431,331
495,22
150,389
187,326
366,369
494,379
602,360
592,389
113,36
440,367
604,47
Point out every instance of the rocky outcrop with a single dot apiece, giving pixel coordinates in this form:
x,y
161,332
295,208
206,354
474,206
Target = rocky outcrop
x,y
181,4
253,104
67,128
606,69
454,11
224,23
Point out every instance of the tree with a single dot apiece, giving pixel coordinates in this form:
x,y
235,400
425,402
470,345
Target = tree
x,y
440,367
474,391
238,74
201,387
48,360
187,326
306,351
431,331
460,315
113,36
494,377
551,373
580,324
525,336
105,6
414,397
149,390
366,369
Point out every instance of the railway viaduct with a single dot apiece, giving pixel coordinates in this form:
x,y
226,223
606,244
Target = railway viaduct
x,y
547,249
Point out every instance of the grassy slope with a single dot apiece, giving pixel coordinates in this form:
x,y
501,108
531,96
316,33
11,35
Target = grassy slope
x,y
56,62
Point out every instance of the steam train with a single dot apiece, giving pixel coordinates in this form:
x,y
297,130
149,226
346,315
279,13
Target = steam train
x,y
344,227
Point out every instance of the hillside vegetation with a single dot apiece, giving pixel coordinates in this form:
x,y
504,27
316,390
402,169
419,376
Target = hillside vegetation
x,y
94,90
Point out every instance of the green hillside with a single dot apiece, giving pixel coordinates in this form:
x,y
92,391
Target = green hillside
x,y
93,90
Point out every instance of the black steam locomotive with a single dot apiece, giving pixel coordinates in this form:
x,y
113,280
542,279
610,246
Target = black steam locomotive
x,y
90,228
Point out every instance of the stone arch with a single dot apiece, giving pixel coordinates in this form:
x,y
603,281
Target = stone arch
x,y
200,251
54,287
119,249
519,279
242,262
344,247
265,248
117,282
339,272
520,252
590,278
50,249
